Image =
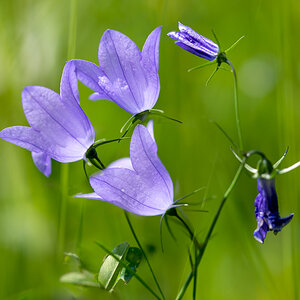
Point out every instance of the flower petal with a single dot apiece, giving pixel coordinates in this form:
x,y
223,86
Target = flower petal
x,y
68,84
144,159
25,137
193,42
261,230
145,190
89,74
150,129
43,162
214,48
197,52
150,59
63,124
128,190
120,60
121,163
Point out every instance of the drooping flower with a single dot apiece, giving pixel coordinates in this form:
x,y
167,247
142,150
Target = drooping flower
x,y
59,128
266,202
125,75
139,184
195,43
266,210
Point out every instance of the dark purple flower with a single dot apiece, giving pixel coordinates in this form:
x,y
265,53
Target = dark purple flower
x,y
139,184
266,210
193,42
125,75
59,129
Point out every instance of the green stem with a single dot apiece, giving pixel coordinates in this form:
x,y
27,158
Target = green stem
x,y
72,29
196,248
236,105
80,228
64,174
210,231
144,254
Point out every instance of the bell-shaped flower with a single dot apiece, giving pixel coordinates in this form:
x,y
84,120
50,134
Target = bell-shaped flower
x,y
266,202
59,128
266,210
125,75
139,184
195,43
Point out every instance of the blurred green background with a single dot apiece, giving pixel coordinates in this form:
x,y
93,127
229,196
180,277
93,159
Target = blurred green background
x,y
34,38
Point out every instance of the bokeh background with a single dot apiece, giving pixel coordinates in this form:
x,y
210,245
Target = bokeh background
x,y
36,39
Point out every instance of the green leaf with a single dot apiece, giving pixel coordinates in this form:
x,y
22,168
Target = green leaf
x,y
133,257
111,268
84,278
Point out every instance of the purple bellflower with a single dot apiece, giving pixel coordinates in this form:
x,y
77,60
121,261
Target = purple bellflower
x,y
125,75
59,128
139,184
195,43
266,210
266,202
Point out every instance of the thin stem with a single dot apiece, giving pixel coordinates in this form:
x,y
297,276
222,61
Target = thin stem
x,y
157,113
72,29
129,270
286,170
226,135
196,248
281,158
64,178
202,66
64,174
187,227
210,231
234,44
195,276
144,254
80,229
100,143
236,106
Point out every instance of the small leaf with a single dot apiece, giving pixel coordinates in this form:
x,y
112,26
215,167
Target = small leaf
x,y
83,278
110,270
133,257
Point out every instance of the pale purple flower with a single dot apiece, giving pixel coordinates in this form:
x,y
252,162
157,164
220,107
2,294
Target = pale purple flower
x,y
59,129
139,184
193,42
125,75
266,210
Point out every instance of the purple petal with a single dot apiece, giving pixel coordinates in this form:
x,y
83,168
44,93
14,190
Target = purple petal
x,y
120,60
144,159
89,74
150,59
128,190
191,41
61,123
121,163
25,137
147,190
261,230
150,129
192,50
43,162
276,223
98,96
198,37
68,84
